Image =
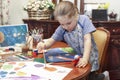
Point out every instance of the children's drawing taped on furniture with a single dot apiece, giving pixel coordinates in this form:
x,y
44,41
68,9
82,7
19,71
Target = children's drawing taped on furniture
x,y
12,34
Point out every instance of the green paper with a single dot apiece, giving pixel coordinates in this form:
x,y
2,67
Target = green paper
x,y
39,60
68,50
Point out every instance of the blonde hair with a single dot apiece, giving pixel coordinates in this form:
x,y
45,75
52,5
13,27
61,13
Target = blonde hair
x,y
65,8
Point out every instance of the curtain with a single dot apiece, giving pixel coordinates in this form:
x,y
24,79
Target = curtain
x,y
4,12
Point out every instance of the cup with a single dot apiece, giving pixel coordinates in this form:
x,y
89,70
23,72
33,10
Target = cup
x,y
25,49
36,40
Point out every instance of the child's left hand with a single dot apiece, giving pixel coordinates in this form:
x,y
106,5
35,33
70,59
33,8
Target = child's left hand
x,y
82,62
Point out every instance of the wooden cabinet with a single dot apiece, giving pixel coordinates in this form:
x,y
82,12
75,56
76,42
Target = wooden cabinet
x,y
113,52
48,26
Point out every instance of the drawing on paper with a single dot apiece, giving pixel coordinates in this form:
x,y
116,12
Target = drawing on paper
x,y
11,34
29,70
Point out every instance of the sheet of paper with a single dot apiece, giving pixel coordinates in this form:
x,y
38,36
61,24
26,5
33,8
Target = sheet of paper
x,y
27,69
49,72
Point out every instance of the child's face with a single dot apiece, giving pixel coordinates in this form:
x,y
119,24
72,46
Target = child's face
x,y
68,23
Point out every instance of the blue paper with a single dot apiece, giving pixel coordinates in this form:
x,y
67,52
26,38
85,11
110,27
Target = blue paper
x,y
12,34
58,55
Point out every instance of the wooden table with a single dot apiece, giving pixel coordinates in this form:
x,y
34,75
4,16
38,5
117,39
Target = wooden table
x,y
76,73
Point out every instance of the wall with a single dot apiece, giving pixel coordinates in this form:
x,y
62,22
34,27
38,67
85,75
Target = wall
x,y
114,5
17,13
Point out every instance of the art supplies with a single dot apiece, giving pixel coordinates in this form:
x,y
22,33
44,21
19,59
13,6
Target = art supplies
x,y
37,36
17,57
44,59
26,70
29,41
76,59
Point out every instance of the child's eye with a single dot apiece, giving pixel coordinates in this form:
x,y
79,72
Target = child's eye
x,y
69,23
61,24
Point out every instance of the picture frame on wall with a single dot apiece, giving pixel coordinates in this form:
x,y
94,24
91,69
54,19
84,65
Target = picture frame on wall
x,y
99,15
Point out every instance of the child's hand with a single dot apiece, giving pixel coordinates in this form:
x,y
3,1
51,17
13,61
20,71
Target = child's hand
x,y
41,47
82,62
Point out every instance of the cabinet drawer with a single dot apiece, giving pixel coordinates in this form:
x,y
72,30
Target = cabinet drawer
x,y
113,30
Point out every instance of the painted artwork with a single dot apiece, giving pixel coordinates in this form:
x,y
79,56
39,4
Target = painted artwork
x,y
12,34
32,71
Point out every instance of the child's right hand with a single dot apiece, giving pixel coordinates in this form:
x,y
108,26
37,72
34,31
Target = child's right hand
x,y
82,62
41,47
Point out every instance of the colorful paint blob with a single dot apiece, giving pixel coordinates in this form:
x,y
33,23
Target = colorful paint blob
x,y
38,65
3,74
7,67
50,69
21,64
19,73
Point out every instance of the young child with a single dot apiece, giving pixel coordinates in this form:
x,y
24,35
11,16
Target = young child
x,y
76,31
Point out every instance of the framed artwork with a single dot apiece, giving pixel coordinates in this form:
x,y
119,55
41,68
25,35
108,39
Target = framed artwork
x,y
12,34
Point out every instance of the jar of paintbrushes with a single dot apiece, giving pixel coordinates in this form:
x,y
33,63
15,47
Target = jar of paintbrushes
x,y
28,45
37,35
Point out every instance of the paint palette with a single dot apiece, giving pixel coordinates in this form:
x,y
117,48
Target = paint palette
x,y
29,70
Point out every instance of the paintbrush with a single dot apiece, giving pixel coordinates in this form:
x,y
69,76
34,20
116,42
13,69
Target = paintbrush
x,y
29,39
44,58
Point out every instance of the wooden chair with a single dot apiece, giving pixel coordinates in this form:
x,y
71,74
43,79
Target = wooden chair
x,y
102,37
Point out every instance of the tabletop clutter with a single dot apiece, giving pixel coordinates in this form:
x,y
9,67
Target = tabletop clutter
x,y
17,55
28,49
33,37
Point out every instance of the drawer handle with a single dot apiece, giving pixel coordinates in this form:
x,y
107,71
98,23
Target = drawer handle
x,y
114,30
